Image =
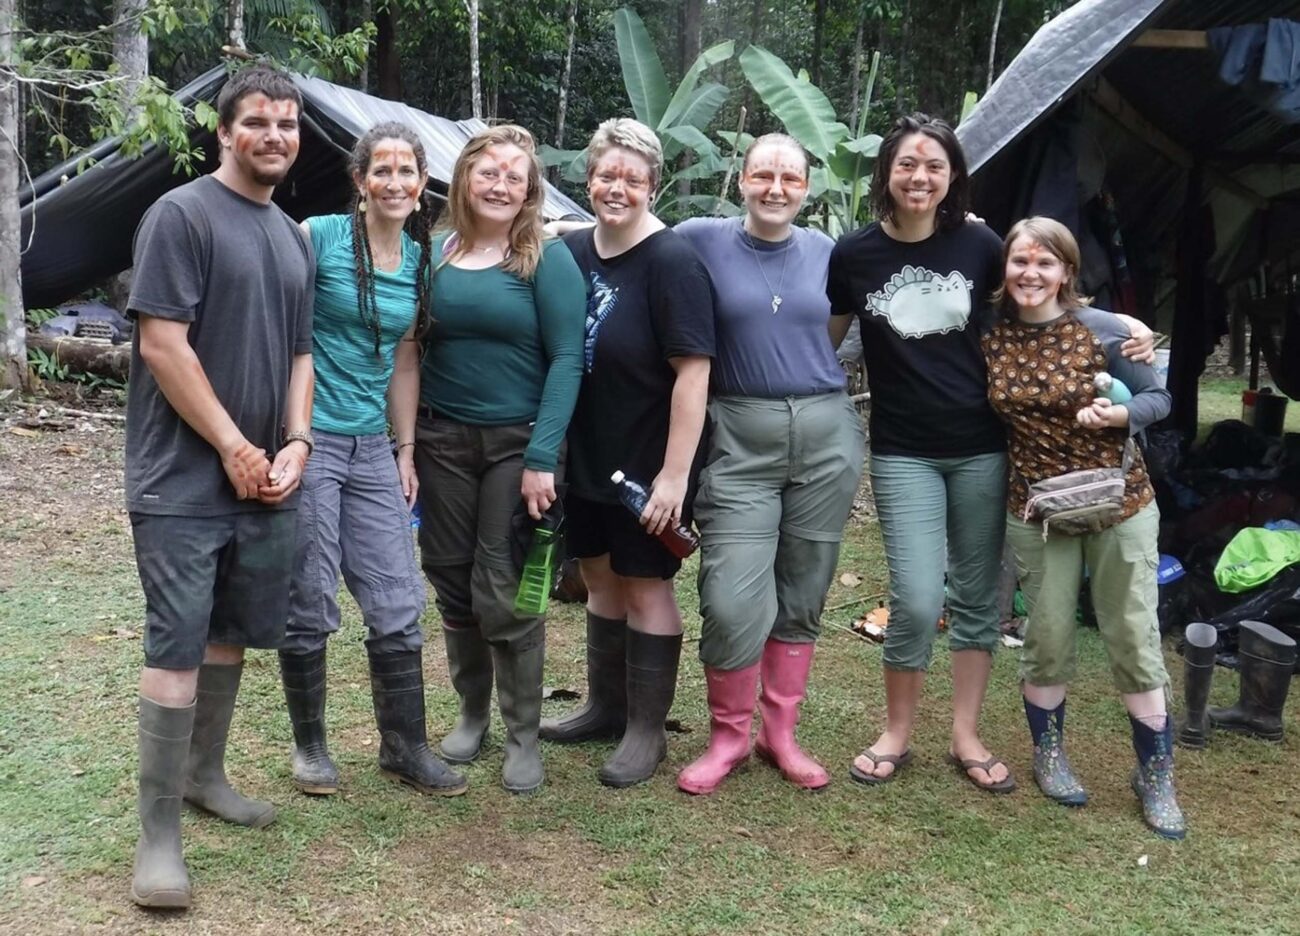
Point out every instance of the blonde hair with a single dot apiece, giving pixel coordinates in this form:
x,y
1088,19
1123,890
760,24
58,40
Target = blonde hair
x,y
526,232
631,135
1060,243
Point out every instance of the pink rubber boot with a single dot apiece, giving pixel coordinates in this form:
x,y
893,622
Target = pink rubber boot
x,y
731,712
785,678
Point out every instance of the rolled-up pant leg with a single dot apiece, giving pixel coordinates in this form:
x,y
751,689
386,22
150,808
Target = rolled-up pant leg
x,y
313,590
378,556
977,498
1051,571
911,502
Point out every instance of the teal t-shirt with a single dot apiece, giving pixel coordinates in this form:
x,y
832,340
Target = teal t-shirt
x,y
351,380
503,351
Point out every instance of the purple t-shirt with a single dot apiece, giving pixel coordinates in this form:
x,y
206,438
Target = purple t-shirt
x,y
761,353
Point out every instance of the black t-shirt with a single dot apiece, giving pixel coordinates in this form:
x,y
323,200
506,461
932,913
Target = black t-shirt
x,y
242,275
644,306
922,307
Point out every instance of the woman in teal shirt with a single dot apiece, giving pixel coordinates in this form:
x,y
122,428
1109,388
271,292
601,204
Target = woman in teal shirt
x,y
497,388
371,308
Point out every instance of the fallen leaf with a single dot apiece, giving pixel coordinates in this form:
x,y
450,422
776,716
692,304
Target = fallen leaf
x,y
34,880
850,580
78,771
742,831
1142,861
366,742
68,449
125,633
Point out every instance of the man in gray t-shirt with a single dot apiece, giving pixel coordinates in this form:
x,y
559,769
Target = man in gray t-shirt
x,y
218,433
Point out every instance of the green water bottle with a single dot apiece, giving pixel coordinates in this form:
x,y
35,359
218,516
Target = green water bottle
x,y
539,571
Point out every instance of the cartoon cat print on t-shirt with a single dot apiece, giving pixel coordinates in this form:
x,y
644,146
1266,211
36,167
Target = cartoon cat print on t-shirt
x,y
600,304
918,302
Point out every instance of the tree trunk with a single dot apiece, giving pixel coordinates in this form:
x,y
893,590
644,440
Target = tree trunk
x,y
819,39
235,24
565,76
993,44
690,51
388,67
855,75
905,70
87,355
475,77
367,16
131,50
13,324
755,30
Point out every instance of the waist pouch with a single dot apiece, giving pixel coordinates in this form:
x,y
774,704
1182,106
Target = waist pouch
x,y
1079,502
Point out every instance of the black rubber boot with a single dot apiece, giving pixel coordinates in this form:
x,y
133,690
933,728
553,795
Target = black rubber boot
x,y
519,666
469,661
1153,778
651,685
605,713
206,786
397,686
1199,644
1267,662
160,879
303,675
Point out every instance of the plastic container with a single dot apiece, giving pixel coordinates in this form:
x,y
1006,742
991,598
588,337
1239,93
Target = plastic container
x,y
1161,366
1112,388
679,540
538,575
1270,412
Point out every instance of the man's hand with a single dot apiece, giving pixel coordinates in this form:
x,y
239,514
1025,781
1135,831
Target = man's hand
x,y
407,476
247,469
538,491
1102,414
1141,343
667,494
285,474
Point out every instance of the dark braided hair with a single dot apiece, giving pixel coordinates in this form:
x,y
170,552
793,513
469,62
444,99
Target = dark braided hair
x,y
418,227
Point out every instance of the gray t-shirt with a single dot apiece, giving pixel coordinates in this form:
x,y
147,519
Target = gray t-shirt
x,y
761,353
242,274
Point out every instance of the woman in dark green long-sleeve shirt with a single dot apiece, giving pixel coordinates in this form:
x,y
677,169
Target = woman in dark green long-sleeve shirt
x,y
497,388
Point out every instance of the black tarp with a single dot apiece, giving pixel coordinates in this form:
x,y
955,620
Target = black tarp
x,y
81,223
1201,189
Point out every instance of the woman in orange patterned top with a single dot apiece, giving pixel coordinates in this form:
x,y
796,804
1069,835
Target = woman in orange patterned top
x,y
1043,356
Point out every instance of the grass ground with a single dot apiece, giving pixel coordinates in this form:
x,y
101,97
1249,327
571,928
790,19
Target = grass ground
x,y
926,854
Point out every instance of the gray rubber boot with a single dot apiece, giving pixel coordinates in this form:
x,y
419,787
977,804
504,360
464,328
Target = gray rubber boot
x,y
1267,663
1200,643
651,685
397,687
605,713
303,675
160,879
469,661
519,666
206,786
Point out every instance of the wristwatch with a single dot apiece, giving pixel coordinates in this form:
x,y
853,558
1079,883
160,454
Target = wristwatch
x,y
301,435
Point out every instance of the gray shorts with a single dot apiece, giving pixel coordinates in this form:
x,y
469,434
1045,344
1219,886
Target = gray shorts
x,y
219,580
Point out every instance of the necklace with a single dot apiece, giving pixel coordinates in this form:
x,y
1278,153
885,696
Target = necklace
x,y
776,293
384,257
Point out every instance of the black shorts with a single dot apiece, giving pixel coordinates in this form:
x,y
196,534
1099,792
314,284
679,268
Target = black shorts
x,y
219,580
593,529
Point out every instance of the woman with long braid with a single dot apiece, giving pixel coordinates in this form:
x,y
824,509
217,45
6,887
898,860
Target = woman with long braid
x,y
371,309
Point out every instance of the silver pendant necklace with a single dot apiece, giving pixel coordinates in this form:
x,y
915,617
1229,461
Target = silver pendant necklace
x,y
776,293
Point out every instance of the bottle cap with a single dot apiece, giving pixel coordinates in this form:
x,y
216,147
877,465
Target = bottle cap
x,y
617,477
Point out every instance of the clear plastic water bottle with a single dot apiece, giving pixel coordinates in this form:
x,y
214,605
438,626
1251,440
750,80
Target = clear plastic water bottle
x,y
679,539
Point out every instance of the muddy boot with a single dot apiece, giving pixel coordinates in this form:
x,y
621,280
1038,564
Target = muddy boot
x,y
731,714
1267,662
605,714
206,786
303,675
1052,770
397,687
519,667
160,878
1200,642
469,661
651,685
1153,778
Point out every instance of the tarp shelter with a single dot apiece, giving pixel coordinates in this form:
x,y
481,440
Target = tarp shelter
x,y
84,222
1163,134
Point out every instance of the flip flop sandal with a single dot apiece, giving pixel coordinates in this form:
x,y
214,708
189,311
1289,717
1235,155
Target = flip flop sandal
x,y
1005,785
870,779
